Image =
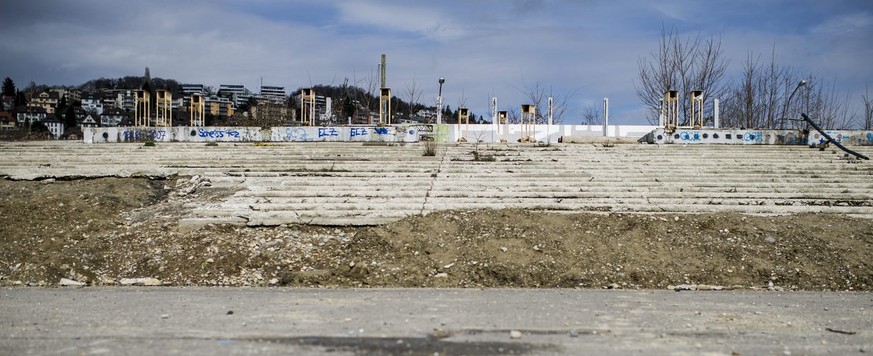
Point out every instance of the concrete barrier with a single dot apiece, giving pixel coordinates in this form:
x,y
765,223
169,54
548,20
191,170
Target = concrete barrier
x,y
251,134
757,137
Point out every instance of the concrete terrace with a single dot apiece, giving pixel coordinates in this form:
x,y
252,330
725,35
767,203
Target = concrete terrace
x,y
360,184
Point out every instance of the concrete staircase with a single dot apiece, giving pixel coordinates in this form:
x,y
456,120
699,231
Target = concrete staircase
x,y
356,184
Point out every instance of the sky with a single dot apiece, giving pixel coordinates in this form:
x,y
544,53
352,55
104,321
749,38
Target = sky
x,y
580,51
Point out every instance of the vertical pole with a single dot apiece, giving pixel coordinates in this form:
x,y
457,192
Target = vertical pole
x,y
715,104
605,116
661,113
384,59
549,125
495,125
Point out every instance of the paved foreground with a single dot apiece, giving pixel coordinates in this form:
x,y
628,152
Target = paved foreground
x,y
151,321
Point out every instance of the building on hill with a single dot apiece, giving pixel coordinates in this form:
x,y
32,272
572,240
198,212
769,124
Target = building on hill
x,y
47,100
273,94
7,121
89,120
55,126
218,106
74,133
237,93
191,89
71,95
92,103
29,114
112,117
126,100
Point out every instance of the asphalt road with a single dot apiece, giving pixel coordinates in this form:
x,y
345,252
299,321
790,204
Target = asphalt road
x,y
155,320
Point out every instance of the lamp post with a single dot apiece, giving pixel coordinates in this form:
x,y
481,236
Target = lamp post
x,y
440,102
787,103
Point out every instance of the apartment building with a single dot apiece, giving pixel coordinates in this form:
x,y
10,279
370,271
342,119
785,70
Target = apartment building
x,y
237,93
273,94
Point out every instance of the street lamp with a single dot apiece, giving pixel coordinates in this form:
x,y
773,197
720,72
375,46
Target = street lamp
x,y
788,103
440,102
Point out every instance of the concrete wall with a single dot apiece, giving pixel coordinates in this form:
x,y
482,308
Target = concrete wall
x,y
758,137
250,134
544,133
844,137
399,133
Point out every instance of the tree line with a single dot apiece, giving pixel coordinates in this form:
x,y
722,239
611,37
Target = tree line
x,y
761,96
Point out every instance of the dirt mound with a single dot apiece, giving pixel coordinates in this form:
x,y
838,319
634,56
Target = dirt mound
x,y
102,231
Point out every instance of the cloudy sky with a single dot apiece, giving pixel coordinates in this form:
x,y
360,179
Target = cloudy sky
x,y
584,50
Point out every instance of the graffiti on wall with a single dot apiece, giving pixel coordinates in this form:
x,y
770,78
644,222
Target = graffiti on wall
x,y
297,134
753,137
689,136
327,132
217,133
143,135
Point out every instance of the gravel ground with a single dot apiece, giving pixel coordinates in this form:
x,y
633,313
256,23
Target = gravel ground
x,y
113,231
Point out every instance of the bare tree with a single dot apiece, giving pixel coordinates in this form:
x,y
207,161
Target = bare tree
x,y
682,65
759,100
868,108
592,114
823,103
413,94
538,96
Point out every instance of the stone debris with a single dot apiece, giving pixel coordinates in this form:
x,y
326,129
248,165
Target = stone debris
x,y
515,334
148,281
66,282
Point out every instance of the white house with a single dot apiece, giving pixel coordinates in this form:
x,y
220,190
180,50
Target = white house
x,y
112,117
55,126
90,120
92,103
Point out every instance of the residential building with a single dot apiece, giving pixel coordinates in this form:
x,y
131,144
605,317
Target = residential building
x,y
80,113
273,94
126,100
112,117
74,133
29,114
55,126
71,95
47,100
218,106
7,122
109,99
237,93
190,89
92,103
90,120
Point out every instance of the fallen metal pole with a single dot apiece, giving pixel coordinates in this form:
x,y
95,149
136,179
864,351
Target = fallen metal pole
x,y
831,140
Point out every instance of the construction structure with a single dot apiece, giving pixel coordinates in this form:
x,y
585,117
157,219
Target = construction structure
x,y
142,112
384,96
163,108
503,118
385,106
695,101
464,119
307,106
670,110
528,122
196,108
